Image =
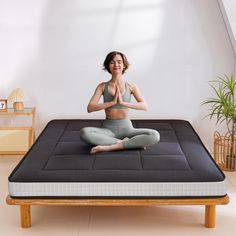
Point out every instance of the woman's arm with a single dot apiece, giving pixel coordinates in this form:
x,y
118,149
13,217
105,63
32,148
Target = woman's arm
x,y
139,105
93,103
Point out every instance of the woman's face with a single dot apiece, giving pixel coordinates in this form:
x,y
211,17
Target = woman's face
x,y
116,65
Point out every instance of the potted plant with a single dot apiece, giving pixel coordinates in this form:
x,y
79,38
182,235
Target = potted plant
x,y
223,108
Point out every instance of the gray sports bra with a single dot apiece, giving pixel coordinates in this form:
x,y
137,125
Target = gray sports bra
x,y
107,97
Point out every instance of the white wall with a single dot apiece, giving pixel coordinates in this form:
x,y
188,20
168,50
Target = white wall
x,y
228,9
54,51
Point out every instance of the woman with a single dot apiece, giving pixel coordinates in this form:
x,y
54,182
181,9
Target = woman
x,y
117,132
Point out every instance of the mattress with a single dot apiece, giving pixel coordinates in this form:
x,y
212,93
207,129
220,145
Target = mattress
x,y
59,165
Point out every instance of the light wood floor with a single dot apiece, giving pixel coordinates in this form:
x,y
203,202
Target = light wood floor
x,y
112,221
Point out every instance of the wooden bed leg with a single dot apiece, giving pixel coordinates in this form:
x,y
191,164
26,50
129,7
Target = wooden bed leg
x,y
210,216
25,216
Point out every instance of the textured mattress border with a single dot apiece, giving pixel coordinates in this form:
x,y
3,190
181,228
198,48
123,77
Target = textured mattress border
x,y
117,189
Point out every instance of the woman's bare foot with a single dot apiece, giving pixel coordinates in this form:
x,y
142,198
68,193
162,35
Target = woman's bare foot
x,y
97,149
108,148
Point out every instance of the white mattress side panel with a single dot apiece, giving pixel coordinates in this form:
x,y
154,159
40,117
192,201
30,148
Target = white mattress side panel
x,y
117,189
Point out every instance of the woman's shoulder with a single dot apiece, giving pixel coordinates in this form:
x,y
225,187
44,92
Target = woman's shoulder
x,y
132,86
101,86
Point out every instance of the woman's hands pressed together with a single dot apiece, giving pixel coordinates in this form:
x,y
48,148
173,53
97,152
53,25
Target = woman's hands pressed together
x,y
119,96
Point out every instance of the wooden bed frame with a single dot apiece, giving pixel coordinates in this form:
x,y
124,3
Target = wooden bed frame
x,y
25,205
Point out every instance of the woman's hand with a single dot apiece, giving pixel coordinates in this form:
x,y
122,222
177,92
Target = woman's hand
x,y
119,98
140,103
94,104
115,99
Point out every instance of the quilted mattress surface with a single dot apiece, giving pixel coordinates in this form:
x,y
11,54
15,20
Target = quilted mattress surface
x,y
59,164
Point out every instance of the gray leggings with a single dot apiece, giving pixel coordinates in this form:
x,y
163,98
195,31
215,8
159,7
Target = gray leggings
x,y
115,130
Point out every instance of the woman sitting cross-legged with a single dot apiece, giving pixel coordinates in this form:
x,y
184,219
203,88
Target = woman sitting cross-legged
x,y
117,131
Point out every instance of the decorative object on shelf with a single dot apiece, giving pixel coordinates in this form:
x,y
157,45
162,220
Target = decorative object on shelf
x,y
3,105
223,107
17,97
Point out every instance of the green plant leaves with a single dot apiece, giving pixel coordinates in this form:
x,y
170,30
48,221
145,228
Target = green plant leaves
x,y
222,106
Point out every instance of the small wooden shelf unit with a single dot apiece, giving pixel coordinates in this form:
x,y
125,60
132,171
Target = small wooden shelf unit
x,y
10,145
25,205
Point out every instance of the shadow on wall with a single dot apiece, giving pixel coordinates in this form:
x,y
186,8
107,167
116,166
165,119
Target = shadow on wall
x,y
73,39
220,50
171,45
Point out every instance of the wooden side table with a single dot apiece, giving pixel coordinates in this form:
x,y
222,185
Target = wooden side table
x,y
16,140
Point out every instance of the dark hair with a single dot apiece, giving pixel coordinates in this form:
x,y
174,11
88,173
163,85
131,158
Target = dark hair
x,y
110,56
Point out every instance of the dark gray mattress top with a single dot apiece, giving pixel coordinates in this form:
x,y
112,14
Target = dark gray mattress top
x,y
58,155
